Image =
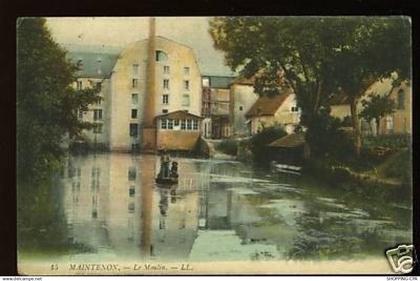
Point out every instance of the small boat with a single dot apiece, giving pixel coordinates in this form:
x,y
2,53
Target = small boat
x,y
165,176
167,181
289,169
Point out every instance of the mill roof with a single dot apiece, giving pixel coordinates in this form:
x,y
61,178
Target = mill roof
x,y
292,140
93,64
266,105
179,114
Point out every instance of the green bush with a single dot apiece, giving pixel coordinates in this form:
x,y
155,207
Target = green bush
x,y
228,147
394,141
326,140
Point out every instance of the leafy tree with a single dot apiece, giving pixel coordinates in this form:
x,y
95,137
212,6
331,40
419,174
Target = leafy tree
x,y
315,56
377,107
47,104
377,48
280,52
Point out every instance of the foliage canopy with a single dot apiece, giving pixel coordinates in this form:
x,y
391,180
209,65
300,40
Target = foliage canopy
x,y
318,57
47,104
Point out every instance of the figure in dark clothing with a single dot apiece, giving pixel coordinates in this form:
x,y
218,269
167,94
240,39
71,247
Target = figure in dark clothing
x,y
174,170
164,165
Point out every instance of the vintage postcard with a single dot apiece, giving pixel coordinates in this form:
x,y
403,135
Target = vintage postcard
x,y
214,145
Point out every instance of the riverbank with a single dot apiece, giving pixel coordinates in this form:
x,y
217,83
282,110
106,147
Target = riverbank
x,y
391,171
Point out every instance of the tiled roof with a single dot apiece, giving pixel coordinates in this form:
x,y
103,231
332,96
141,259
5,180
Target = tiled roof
x,y
94,64
292,140
267,105
179,114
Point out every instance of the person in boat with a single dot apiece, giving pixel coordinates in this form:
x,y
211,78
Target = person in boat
x,y
174,170
164,165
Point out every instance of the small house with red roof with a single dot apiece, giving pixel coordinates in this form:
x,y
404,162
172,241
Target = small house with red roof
x,y
268,111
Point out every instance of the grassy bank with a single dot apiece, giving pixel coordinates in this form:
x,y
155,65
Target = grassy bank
x,y
392,174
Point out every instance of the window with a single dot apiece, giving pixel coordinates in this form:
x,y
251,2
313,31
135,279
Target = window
x,y
186,100
98,129
241,108
206,82
134,98
99,102
134,130
161,56
79,85
131,207
163,124
97,114
80,114
135,83
183,124
176,122
195,124
135,69
166,69
401,99
132,191
134,113
186,70
165,99
132,173
186,84
170,124
189,124
166,84
294,109
164,111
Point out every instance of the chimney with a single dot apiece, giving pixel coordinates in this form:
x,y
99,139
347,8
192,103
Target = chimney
x,y
149,126
149,108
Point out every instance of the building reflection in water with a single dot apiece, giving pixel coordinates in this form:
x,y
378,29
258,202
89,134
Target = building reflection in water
x,y
218,211
113,206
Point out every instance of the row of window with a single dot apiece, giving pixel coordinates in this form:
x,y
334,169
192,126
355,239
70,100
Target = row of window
x,y
165,99
186,84
167,124
79,85
186,124
184,102
97,114
166,70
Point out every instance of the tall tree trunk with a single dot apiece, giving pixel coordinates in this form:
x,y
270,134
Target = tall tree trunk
x,y
318,96
357,135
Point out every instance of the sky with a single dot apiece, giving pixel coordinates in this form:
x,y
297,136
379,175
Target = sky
x,y
120,31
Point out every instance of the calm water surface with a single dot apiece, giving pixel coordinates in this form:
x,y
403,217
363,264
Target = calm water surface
x,y
107,207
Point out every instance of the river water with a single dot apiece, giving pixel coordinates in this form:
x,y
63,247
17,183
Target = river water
x,y
107,207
